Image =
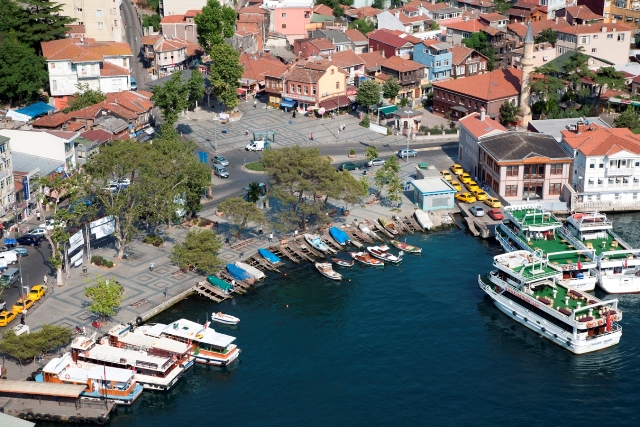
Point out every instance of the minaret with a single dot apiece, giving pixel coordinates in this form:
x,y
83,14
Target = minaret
x,y
525,86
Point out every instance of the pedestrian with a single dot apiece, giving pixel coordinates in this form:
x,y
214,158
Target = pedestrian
x,y
22,319
255,104
311,137
241,255
151,266
136,38
246,132
45,280
37,214
271,237
166,290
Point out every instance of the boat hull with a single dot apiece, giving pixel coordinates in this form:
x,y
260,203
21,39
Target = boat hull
x,y
99,396
586,284
208,358
619,283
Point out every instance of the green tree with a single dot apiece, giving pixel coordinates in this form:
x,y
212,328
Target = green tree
x,y
387,173
85,97
226,72
391,88
8,8
368,93
214,24
628,119
254,192
549,84
195,88
28,346
105,294
22,73
508,112
478,42
200,250
40,21
151,21
609,77
394,189
548,35
371,153
363,25
576,68
241,212
379,4
171,98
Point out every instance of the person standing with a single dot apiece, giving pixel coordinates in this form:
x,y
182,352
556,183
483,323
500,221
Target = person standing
x,y
311,137
37,214
270,237
151,266
45,280
255,104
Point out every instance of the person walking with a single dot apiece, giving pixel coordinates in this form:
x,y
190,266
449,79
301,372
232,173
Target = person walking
x,y
255,104
45,280
311,137
37,214
270,237
151,266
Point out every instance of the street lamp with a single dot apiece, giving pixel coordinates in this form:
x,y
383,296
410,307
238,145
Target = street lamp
x,y
22,288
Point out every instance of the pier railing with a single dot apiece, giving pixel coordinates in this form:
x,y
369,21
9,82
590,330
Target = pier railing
x,y
161,307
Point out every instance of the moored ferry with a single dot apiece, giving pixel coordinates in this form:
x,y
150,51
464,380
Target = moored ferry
x,y
103,382
525,288
207,346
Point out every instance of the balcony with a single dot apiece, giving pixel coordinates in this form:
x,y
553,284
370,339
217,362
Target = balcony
x,y
619,171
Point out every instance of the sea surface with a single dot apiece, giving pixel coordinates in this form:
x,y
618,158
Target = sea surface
x,y
410,345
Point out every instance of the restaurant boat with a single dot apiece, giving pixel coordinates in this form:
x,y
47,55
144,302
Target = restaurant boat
x,y
239,274
525,288
388,225
257,274
405,247
315,241
103,382
207,346
227,319
152,371
423,219
269,256
619,271
382,252
366,259
596,231
327,271
339,235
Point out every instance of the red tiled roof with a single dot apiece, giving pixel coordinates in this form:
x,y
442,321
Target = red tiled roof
x,y
172,19
603,141
75,29
583,12
372,59
108,69
433,7
471,26
497,84
491,30
255,68
97,135
525,5
51,120
191,13
592,28
252,9
479,128
73,50
322,44
346,58
459,54
387,38
323,9
304,75
75,126
402,65
356,36
365,11
490,17
408,37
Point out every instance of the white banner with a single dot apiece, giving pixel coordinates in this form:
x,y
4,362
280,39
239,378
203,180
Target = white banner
x,y
103,226
76,241
77,258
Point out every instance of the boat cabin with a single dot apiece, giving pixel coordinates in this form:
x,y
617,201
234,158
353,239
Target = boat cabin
x,y
125,336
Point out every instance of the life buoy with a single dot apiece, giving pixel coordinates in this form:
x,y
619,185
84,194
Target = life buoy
x,y
591,324
79,365
66,377
613,318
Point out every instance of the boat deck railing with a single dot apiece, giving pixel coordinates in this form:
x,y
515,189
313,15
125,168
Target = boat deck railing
x,y
515,237
577,243
620,241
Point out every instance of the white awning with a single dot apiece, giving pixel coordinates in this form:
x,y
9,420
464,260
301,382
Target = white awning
x,y
149,130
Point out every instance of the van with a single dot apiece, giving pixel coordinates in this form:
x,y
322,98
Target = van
x,y
257,146
9,277
134,84
219,170
11,257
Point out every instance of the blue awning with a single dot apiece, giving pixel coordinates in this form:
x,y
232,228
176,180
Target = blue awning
x,y
35,110
288,103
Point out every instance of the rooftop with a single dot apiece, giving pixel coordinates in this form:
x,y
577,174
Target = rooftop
x,y
198,333
356,36
583,12
402,65
481,128
388,39
433,185
601,141
75,50
554,127
490,86
346,58
518,146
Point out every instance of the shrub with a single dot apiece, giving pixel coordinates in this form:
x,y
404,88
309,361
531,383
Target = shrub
x,y
352,152
100,261
366,121
204,222
154,240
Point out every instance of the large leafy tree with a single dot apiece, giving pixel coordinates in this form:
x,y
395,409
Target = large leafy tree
x,y
85,97
368,93
28,346
105,294
609,77
151,21
628,119
195,88
200,250
363,25
388,174
241,212
508,112
214,24
226,72
171,98
22,73
40,21
549,84
547,35
372,152
391,88
479,43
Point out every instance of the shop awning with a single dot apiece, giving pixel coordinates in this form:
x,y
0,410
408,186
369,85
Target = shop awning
x,y
426,86
459,108
241,91
337,102
287,103
388,109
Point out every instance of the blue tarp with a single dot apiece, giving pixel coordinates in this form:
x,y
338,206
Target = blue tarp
x,y
269,256
287,103
35,110
340,236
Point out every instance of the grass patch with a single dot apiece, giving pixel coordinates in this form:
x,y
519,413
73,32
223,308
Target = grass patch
x,y
256,166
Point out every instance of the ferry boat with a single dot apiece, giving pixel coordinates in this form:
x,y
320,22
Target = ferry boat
x,y
151,371
530,227
103,382
525,288
206,345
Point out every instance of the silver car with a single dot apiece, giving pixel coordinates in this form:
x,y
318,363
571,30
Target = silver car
x,y
376,162
407,153
220,160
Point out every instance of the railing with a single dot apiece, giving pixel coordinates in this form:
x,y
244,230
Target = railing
x,y
533,176
609,206
514,237
505,243
619,171
571,239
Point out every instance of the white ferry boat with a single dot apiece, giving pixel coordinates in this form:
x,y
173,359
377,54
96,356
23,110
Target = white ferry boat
x,y
619,271
152,372
207,346
103,382
526,289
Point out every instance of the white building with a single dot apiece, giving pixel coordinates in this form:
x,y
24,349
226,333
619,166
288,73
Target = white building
x,y
55,145
7,192
101,65
180,7
473,129
101,18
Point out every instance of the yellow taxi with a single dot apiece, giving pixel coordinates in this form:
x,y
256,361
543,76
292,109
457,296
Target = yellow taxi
x,y
37,292
446,175
480,195
464,178
493,202
457,169
7,317
455,184
465,197
473,186
18,307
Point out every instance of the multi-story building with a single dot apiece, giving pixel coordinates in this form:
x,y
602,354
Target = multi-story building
x,y
351,63
524,12
316,83
390,44
482,6
359,42
408,19
7,193
180,7
495,29
473,129
608,41
100,65
55,145
437,57
337,38
408,73
101,19
256,67
466,62
166,55
624,11
290,17
181,26
306,48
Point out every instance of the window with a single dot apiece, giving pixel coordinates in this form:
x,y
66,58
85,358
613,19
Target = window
x,y
636,180
284,15
592,165
79,9
307,15
555,188
590,182
446,62
438,64
306,90
99,25
625,179
284,26
600,181
99,13
293,88
299,89
609,36
635,196
511,191
512,170
583,40
610,181
637,164
313,90
337,85
601,165
620,37
332,70
556,169
594,50
54,85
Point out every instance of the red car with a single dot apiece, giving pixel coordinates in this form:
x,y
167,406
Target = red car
x,y
495,214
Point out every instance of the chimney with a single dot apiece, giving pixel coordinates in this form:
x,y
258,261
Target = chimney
x,y
397,14
482,114
555,20
581,127
604,29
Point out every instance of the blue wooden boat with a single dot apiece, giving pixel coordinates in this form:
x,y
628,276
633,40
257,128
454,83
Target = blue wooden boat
x,y
339,235
239,274
269,256
315,241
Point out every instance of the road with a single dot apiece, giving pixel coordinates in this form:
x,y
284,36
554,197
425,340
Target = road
x,y
133,36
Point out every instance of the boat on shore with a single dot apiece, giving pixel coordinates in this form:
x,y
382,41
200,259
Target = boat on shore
x,y
525,288
366,259
219,283
227,319
257,274
367,228
423,219
327,271
269,256
382,252
239,274
388,225
339,235
343,262
405,247
315,241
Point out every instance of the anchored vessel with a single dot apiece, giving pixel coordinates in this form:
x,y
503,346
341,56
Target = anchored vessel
x,y
525,288
327,271
315,241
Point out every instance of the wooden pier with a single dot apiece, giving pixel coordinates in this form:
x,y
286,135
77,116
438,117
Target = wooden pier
x,y
284,251
356,234
262,264
305,251
381,229
239,286
214,293
330,241
411,222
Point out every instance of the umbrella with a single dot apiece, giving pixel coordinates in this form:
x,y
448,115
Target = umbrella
x,y
10,241
321,111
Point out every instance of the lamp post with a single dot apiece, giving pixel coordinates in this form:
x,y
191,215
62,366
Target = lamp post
x,y
24,307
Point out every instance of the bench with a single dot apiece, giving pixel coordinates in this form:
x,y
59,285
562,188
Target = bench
x,y
138,303
242,244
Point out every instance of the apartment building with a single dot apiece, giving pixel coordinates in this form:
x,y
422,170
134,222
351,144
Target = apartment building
x,y
467,62
101,19
7,193
166,54
623,11
292,18
437,57
608,41
316,83
181,26
410,74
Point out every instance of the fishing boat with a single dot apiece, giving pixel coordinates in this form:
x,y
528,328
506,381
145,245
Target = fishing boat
x,y
382,252
269,256
207,346
405,247
339,235
240,274
227,319
327,271
388,225
257,274
423,219
315,241
366,259
525,288
343,262
219,283
102,382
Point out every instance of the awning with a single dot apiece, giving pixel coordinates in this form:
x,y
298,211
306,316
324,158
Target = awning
x,y
288,103
460,108
426,86
337,102
388,109
149,130
35,110
241,91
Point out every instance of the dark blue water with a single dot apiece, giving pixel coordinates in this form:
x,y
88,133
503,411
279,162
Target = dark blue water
x,y
414,344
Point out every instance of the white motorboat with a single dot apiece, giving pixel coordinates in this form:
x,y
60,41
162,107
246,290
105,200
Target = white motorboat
x,y
423,219
327,271
257,274
382,252
316,241
227,319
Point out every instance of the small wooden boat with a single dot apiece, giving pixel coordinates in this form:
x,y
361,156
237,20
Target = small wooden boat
x,y
382,252
269,256
366,259
343,262
423,219
257,274
388,225
367,228
327,271
339,235
239,274
315,241
227,319
406,247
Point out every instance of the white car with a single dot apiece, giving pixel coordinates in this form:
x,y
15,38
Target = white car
x,y
476,211
38,232
50,224
376,162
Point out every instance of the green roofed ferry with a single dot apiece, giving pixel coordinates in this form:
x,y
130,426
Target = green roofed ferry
x,y
527,289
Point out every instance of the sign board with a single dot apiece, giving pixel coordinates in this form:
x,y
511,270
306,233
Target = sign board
x,y
76,260
103,226
204,157
76,241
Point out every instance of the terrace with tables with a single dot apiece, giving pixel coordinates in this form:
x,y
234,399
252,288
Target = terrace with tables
x,y
536,217
556,297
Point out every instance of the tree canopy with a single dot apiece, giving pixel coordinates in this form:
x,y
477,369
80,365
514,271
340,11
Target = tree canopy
x,y
171,98
610,78
363,25
391,88
200,250
371,153
508,112
28,346
214,24
478,41
22,72
39,21
151,21
241,212
195,88
628,119
85,97
548,35
368,93
226,72
105,294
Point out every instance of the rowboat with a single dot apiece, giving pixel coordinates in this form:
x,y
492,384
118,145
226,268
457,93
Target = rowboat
x,y
269,256
343,262
382,252
339,235
227,319
423,219
366,259
315,241
239,274
257,274
406,247
388,225
327,271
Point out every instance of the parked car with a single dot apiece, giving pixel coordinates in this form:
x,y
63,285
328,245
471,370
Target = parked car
x,y
465,197
472,186
87,201
220,171
49,224
446,175
376,162
21,251
124,182
407,153
29,240
7,317
220,160
10,256
476,210
39,232
37,292
455,184
19,307
464,178
480,195
134,84
349,166
457,169
9,277
495,214
493,202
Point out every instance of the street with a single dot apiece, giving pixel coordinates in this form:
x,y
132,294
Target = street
x,y
133,36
